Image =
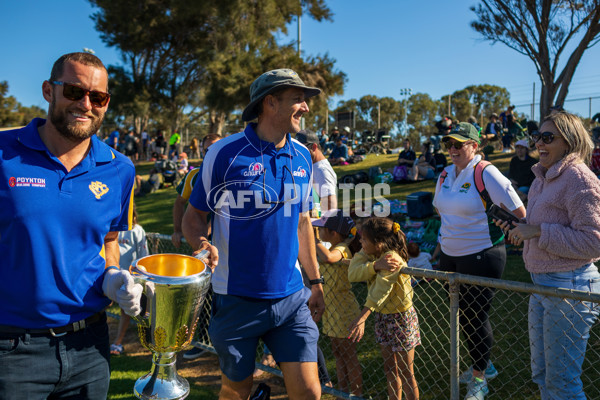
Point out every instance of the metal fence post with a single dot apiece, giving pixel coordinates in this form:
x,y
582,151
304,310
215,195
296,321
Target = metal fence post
x,y
454,337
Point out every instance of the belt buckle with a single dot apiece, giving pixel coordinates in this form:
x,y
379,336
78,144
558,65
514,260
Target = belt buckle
x,y
57,334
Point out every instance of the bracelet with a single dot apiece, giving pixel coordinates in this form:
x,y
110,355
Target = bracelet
x,y
111,267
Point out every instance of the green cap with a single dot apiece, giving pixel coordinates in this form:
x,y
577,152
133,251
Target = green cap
x,y
270,81
462,132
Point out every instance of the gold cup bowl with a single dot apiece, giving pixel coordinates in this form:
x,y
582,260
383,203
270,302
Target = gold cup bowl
x,y
175,287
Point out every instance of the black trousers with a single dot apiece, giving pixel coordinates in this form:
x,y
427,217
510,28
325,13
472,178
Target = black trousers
x,y
475,301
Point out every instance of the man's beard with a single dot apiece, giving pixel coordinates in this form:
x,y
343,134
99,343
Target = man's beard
x,y
72,131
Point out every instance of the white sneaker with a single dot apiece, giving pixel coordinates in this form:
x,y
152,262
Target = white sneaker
x,y
490,373
477,389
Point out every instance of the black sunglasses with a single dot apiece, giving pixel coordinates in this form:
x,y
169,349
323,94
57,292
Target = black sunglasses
x,y
456,145
76,93
547,137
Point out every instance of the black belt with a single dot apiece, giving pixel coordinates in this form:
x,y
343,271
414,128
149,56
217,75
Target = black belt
x,y
60,331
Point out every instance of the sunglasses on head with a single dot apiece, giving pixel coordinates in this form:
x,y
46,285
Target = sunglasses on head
x,y
76,93
456,145
547,137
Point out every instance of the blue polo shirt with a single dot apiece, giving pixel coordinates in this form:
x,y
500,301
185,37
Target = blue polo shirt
x,y
52,228
257,239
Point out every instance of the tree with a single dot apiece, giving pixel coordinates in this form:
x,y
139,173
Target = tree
x,y
196,60
9,107
422,115
160,43
318,71
477,101
543,31
131,101
12,113
240,52
487,99
367,109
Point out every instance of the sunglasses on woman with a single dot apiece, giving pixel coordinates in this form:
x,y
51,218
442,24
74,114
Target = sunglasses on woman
x,y
547,137
456,145
76,93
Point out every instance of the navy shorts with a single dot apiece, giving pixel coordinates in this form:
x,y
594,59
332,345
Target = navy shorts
x,y
285,325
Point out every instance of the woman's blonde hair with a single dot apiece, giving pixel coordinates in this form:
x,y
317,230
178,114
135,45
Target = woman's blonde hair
x,y
572,130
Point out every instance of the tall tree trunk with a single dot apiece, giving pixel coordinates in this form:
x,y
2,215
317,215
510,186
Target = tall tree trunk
x,y
216,122
547,94
140,123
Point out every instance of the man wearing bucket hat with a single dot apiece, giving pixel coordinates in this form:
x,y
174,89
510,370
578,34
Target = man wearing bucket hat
x,y
519,172
258,184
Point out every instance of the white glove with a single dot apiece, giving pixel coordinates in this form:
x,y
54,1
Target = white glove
x,y
119,286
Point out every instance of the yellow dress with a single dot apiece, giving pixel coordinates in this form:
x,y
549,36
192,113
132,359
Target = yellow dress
x,y
341,307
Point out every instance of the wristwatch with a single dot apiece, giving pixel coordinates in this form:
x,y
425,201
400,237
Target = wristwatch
x,y
320,280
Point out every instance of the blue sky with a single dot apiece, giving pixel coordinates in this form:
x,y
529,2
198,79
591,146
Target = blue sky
x,y
382,45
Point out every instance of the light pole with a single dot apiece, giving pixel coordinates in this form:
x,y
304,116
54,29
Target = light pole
x,y
407,93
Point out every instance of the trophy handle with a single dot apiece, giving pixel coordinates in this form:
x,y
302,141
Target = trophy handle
x,y
203,256
139,319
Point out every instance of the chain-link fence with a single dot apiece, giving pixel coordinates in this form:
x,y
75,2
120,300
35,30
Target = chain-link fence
x,y
443,354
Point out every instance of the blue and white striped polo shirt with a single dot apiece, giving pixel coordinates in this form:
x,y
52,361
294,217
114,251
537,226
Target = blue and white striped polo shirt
x,y
257,193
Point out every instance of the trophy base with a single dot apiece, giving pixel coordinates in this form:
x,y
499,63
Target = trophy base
x,y
162,382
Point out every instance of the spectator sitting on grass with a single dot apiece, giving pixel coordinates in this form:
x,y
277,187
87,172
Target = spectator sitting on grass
x,y
424,167
407,156
339,154
520,174
440,160
183,165
145,186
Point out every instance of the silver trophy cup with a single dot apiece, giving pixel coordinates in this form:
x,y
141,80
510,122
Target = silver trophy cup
x,y
175,287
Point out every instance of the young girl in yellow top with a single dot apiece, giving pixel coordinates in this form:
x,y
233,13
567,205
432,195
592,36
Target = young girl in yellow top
x,y
341,305
379,262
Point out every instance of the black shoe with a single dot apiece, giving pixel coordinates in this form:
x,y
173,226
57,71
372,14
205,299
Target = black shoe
x,y
263,392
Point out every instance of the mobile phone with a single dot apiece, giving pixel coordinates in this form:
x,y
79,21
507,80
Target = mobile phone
x,y
500,213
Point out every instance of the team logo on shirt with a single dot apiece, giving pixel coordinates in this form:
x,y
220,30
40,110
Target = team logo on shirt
x,y
242,199
465,187
98,188
301,172
22,181
254,169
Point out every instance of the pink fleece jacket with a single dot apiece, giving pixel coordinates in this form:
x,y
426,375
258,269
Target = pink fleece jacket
x,y
565,201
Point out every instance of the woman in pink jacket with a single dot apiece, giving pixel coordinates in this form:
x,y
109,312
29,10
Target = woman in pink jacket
x,y
562,242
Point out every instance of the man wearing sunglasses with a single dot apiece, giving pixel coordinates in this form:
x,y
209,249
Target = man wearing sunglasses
x,y
258,184
64,196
